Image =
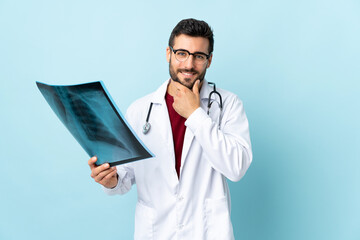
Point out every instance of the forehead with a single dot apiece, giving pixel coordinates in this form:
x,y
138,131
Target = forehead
x,y
192,44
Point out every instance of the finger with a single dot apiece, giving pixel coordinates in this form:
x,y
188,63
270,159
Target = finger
x,y
108,177
178,94
92,161
97,177
195,88
97,170
103,174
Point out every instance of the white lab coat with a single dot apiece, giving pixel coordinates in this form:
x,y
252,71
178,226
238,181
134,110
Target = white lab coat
x,y
196,206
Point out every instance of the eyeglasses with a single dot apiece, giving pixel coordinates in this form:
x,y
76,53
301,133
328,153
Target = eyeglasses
x,y
182,55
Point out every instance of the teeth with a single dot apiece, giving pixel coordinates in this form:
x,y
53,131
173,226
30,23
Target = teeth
x,y
188,74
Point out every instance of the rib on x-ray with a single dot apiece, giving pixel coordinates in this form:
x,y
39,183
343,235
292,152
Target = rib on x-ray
x,y
91,116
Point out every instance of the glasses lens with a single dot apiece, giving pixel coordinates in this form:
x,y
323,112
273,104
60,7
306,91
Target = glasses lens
x,y
200,58
181,55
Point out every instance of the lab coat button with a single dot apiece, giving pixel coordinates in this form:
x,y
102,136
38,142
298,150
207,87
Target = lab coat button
x,y
180,226
180,198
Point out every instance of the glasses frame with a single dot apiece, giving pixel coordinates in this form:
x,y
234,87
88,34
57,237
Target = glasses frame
x,y
189,53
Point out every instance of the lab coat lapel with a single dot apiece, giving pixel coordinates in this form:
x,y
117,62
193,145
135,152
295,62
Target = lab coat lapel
x,y
188,138
163,120
166,132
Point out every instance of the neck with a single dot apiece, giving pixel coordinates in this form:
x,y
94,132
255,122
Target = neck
x,y
171,90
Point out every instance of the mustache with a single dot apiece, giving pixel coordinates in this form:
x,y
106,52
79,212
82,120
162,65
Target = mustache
x,y
192,70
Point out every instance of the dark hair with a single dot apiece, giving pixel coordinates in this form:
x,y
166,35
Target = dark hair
x,y
193,28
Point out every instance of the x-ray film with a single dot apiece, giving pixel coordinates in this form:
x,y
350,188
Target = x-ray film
x,y
92,117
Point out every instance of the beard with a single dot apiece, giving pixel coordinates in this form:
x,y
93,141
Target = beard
x,y
187,81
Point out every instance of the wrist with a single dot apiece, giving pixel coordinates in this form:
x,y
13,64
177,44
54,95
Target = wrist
x,y
193,110
112,186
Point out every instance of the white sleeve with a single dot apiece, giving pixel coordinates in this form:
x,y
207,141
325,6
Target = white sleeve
x,y
229,149
126,179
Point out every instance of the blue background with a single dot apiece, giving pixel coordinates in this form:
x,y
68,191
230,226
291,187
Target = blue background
x,y
295,65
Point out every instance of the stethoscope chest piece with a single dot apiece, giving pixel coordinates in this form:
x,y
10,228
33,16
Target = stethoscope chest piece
x,y
146,128
147,125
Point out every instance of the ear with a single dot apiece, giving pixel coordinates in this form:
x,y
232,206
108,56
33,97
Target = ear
x,y
168,52
209,61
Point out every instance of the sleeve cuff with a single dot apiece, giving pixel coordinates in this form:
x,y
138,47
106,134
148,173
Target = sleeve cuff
x,y
196,119
123,184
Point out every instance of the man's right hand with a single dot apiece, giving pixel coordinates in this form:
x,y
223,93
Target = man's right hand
x,y
103,174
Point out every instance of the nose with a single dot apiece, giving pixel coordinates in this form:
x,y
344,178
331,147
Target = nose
x,y
190,62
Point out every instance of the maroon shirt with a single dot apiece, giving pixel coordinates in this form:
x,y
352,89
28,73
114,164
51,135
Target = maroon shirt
x,y
178,131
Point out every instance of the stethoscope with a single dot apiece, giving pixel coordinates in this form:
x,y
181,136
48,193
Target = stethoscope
x,y
147,125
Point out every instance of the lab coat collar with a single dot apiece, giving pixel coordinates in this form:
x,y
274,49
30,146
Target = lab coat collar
x,y
205,90
159,95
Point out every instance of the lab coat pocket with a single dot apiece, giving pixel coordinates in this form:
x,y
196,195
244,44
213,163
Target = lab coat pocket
x,y
144,222
218,223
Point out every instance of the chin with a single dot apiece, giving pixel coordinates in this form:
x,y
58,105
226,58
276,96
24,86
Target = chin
x,y
187,82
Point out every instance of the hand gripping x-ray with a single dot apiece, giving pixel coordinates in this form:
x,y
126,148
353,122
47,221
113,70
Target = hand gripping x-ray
x,y
92,117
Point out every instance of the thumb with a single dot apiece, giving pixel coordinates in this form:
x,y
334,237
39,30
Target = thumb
x,y
195,88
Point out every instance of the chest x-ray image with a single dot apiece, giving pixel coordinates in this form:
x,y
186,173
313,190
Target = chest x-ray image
x,y
92,117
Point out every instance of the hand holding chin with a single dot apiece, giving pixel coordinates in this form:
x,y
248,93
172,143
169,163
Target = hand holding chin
x,y
186,101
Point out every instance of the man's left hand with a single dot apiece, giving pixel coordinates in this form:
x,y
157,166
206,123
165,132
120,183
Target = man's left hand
x,y
186,101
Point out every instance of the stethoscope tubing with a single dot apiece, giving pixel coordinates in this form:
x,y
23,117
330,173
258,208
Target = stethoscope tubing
x,y
147,126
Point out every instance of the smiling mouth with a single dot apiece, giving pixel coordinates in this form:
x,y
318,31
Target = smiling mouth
x,y
188,74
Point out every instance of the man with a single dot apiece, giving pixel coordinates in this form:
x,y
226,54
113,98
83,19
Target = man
x,y
182,192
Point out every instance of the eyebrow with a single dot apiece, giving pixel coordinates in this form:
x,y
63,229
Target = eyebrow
x,y
198,52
